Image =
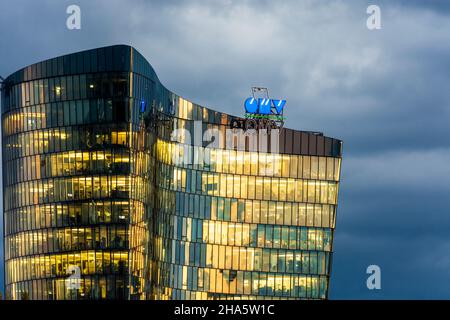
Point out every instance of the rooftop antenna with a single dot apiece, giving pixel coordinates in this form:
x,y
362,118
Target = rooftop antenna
x,y
2,82
260,91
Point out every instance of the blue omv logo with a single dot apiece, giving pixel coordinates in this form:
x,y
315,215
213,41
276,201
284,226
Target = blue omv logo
x,y
264,105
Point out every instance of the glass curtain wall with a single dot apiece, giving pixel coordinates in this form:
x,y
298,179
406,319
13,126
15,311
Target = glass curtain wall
x,y
96,207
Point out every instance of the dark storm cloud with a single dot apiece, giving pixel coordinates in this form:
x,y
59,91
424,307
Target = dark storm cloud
x,y
393,214
383,92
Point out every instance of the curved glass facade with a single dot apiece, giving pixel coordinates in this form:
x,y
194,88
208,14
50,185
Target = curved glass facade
x,y
106,196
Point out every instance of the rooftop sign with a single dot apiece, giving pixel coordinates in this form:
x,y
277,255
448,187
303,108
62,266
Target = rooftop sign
x,y
261,107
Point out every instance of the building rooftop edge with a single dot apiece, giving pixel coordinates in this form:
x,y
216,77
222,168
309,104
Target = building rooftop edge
x,y
9,80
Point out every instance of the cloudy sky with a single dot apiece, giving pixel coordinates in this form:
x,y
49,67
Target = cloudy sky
x,y
383,92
